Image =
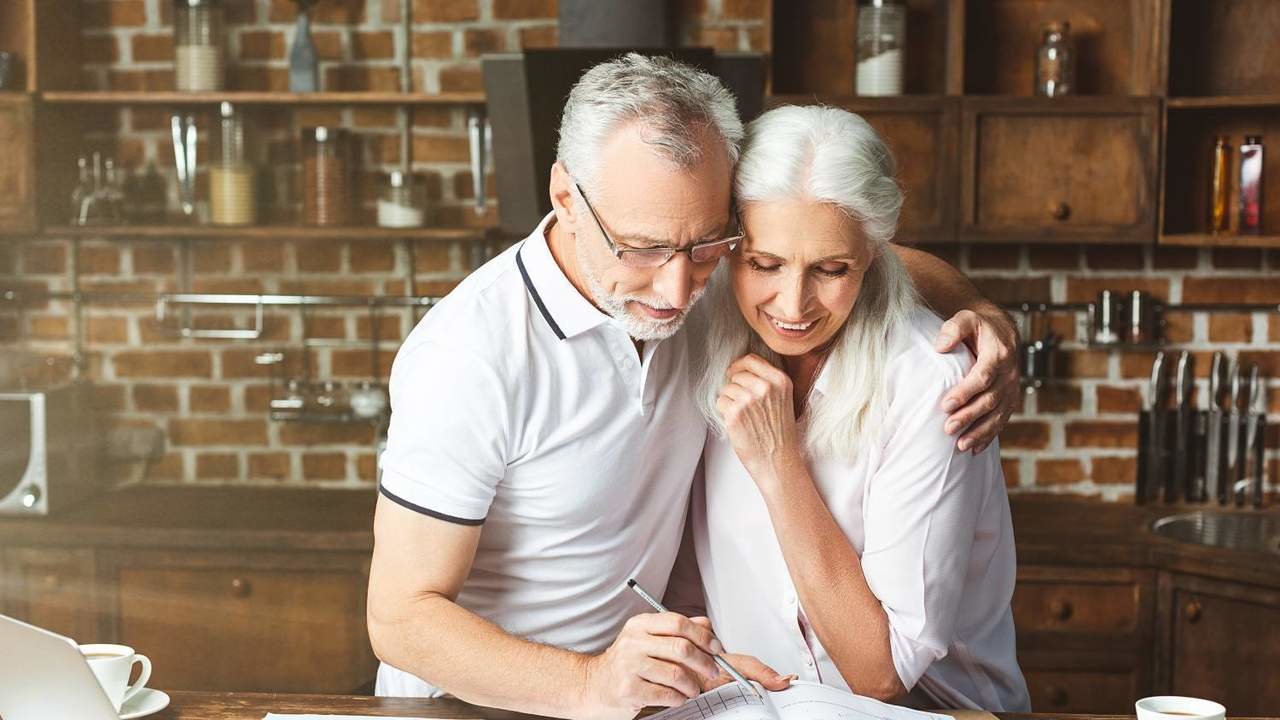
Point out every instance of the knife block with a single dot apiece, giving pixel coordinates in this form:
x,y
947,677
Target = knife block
x,y
1159,478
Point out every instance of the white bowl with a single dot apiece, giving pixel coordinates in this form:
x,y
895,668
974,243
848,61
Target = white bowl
x,y
1175,707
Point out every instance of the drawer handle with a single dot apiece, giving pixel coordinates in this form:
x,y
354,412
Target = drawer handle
x,y
1058,697
1061,609
1059,211
52,582
240,587
1192,612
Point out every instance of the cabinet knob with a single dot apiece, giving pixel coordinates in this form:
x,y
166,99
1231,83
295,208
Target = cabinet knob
x,y
51,581
1061,609
240,587
1059,210
1192,611
1058,697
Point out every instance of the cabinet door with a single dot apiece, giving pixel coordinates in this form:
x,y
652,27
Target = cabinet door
x,y
1081,691
1223,643
923,136
53,589
277,623
17,172
1063,170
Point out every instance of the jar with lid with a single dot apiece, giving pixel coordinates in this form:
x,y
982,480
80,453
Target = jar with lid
x,y
326,176
1055,61
198,45
882,35
400,205
232,198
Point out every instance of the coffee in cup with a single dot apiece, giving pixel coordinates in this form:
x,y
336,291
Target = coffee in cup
x,y
112,665
1168,707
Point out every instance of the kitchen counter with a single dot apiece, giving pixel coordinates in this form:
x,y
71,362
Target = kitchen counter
x,y
1050,530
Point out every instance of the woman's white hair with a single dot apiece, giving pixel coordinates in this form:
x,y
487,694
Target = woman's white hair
x,y
677,103
831,156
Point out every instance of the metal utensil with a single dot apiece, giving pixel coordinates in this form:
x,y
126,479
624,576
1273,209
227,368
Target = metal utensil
x,y
1151,478
1251,461
1214,466
183,130
1177,483
1235,435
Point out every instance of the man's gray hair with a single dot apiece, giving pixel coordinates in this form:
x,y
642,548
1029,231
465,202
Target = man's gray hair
x,y
676,103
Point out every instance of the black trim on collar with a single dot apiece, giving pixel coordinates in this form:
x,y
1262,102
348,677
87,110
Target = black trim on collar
x,y
537,299
426,511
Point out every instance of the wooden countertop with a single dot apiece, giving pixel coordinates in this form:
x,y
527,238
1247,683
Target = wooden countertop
x,y
253,706
1050,530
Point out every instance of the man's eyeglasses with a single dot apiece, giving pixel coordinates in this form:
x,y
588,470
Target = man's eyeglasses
x,y
704,252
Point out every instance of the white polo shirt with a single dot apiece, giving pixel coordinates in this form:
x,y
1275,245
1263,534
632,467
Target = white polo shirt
x,y
516,404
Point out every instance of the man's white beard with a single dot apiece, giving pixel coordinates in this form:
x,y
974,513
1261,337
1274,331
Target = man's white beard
x,y
615,306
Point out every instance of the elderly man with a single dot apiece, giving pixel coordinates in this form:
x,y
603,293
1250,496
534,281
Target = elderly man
x,y
544,436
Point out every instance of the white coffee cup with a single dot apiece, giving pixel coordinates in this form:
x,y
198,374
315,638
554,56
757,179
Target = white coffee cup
x,y
112,665
1175,707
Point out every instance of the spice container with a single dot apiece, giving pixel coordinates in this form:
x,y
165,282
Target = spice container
x,y
882,34
231,182
399,206
326,176
1220,186
1251,185
1055,61
197,45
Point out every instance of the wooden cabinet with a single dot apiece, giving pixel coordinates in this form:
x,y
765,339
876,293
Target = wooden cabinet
x,y
1221,641
266,622
1063,170
1083,636
52,588
17,172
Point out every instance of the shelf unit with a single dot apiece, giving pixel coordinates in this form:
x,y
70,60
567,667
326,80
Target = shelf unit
x,y
332,99
265,232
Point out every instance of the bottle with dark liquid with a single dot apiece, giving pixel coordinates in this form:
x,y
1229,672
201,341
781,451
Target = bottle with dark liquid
x,y
1220,186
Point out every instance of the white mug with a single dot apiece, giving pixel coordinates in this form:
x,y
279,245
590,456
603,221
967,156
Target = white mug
x,y
1175,707
112,665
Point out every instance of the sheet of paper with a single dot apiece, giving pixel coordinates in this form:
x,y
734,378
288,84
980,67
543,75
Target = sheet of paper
x,y
802,701
276,716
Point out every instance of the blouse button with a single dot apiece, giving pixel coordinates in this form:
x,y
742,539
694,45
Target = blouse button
x,y
809,662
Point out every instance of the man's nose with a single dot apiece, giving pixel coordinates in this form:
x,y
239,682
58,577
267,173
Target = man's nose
x,y
674,281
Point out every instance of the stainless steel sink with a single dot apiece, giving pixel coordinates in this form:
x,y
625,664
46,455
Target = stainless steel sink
x,y
1247,531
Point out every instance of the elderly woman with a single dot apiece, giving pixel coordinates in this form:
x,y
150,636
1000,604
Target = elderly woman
x,y
838,532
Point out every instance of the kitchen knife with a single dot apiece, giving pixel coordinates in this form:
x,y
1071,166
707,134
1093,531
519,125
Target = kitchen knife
x,y
1252,472
1152,479
1226,493
1241,421
1214,457
1178,483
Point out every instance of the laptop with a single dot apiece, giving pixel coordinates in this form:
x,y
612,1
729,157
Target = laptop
x,y
43,676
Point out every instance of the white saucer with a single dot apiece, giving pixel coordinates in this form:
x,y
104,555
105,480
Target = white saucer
x,y
147,701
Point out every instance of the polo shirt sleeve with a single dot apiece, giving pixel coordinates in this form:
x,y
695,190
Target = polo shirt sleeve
x,y
921,511
446,445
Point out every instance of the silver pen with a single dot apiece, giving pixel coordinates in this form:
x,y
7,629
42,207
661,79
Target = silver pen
x,y
724,664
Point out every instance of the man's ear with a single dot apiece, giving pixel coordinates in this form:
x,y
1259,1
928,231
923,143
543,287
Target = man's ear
x,y
561,191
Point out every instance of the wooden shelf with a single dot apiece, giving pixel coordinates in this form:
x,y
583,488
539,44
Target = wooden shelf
x,y
1225,101
1221,240
267,232
857,102
259,98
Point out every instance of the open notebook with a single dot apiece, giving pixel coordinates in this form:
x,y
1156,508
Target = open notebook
x,y
801,701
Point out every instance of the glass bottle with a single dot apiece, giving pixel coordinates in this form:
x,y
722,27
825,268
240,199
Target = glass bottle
x,y
1055,61
198,50
231,182
399,206
1251,171
1220,186
326,183
882,33
83,189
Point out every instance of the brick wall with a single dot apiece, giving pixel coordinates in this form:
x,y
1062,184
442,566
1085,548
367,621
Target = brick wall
x,y
210,399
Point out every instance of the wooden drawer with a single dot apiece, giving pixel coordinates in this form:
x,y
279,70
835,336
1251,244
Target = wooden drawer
x,y
17,172
52,588
1083,170
221,623
1080,691
1083,607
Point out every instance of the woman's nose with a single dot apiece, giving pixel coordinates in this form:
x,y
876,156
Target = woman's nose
x,y
792,297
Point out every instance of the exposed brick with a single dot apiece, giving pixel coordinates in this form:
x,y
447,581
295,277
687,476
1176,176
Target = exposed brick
x,y
1114,257
1058,399
217,466
372,257
48,327
1136,364
1230,328
524,9
1054,257
1231,289
318,256
1114,470
1010,289
442,11
152,48
480,41
1237,258
1178,328
269,466
324,466
99,260
355,363
1024,435
153,258
209,398
994,256
113,13
1094,434
374,118
1268,362
441,148
1118,399
1058,472
435,44
461,78
1086,289
241,363
199,431
44,258
1086,363
723,39
262,45
262,257
112,330
99,49
380,45
163,364
1175,258
167,468
1012,471
310,434
744,9
388,327
543,36
355,78
245,77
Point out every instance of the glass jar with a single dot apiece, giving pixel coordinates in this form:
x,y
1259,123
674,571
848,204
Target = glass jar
x,y
232,198
1055,61
326,176
399,205
197,45
882,35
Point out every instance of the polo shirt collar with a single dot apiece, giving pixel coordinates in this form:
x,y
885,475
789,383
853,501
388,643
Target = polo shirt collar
x,y
558,301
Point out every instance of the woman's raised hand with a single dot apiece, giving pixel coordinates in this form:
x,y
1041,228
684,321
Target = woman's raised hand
x,y
759,415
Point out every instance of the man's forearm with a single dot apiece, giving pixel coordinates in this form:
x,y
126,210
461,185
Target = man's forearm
x,y
477,661
942,287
